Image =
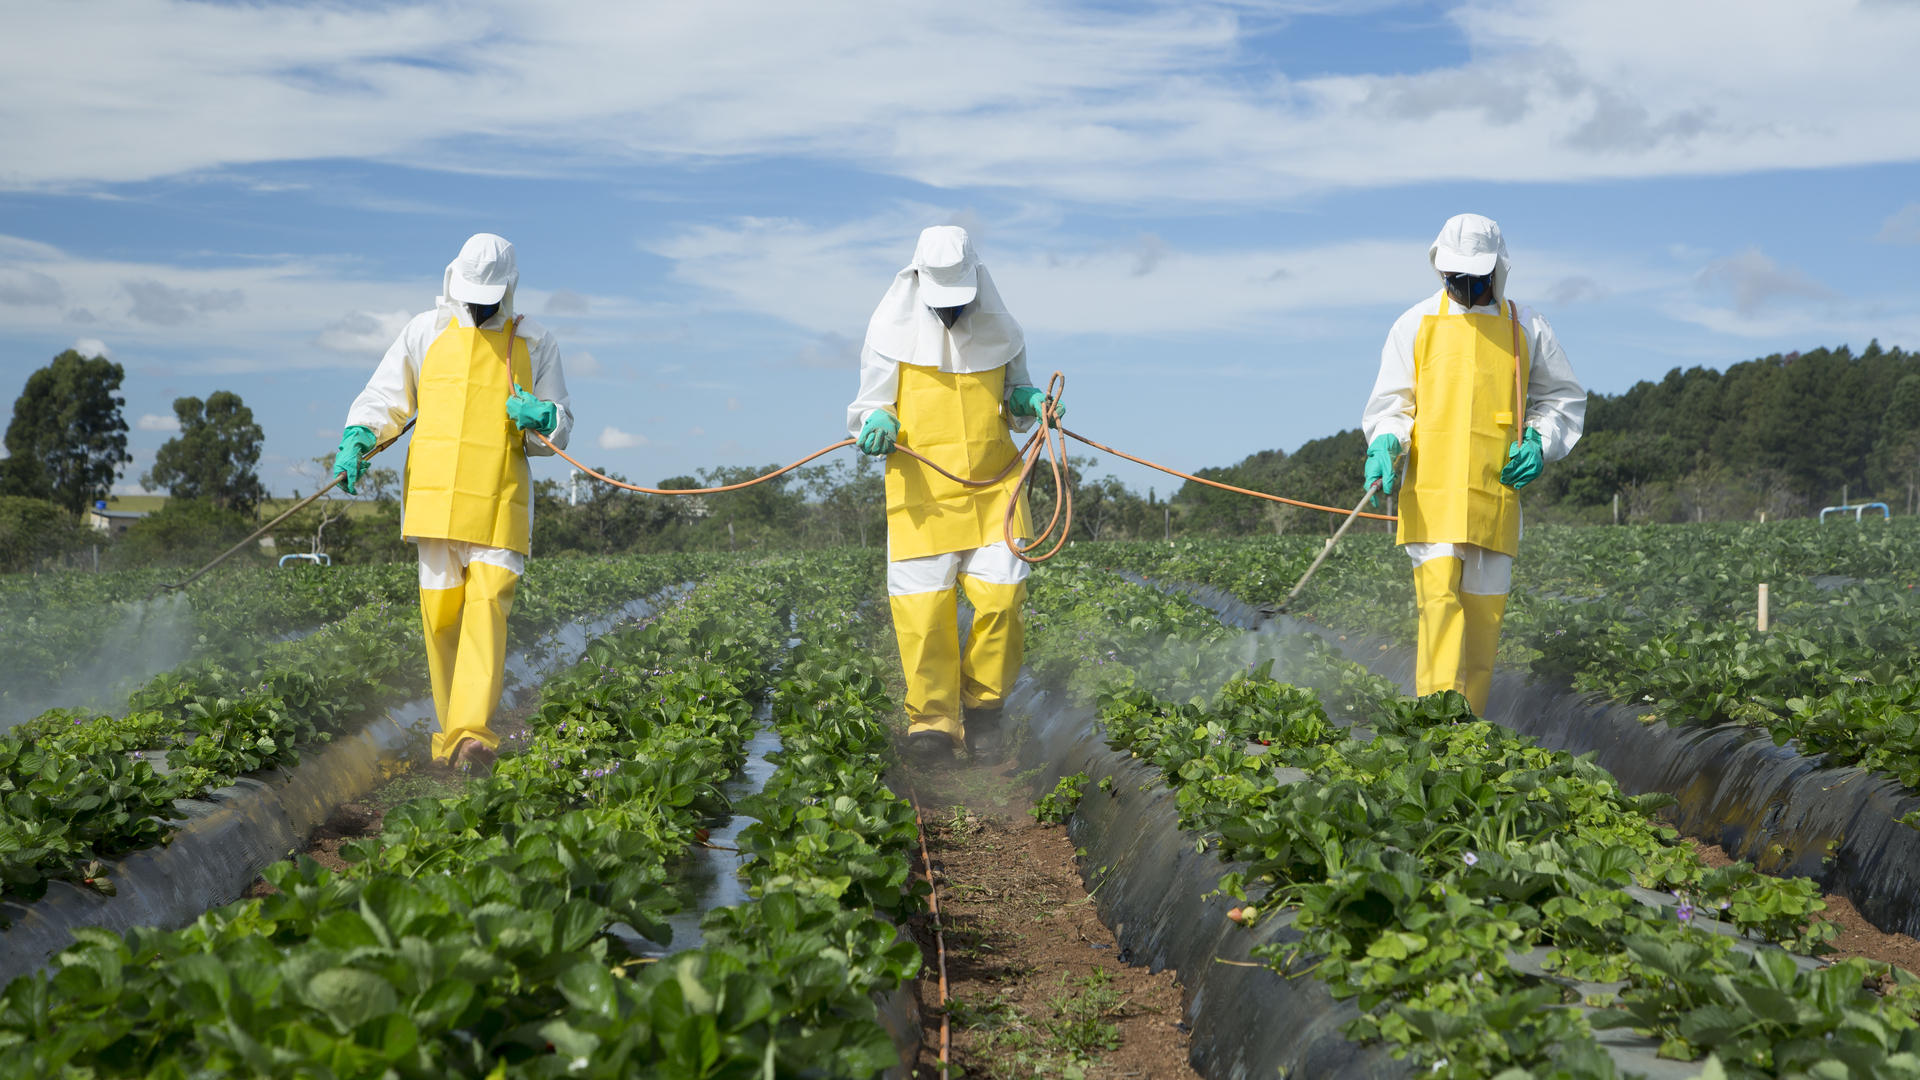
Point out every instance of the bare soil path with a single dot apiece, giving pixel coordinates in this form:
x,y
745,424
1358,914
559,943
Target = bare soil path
x,y
1034,979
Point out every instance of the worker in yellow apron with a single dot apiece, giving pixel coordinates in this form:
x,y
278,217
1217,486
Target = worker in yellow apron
x,y
1478,393
943,372
476,378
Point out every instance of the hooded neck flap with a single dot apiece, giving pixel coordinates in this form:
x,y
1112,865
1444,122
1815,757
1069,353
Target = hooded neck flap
x,y
905,330
1472,234
448,311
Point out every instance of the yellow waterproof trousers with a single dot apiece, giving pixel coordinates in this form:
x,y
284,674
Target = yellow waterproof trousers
x,y
1459,634
467,653
940,681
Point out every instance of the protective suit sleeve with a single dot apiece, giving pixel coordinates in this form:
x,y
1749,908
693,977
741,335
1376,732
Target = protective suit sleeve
x,y
1389,409
549,384
879,389
1556,403
1016,377
391,396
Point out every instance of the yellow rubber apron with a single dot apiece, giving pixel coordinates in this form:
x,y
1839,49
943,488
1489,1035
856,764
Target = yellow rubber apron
x,y
1469,401
956,421
467,475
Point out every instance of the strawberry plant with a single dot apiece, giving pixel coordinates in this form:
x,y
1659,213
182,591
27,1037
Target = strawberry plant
x,y
1418,864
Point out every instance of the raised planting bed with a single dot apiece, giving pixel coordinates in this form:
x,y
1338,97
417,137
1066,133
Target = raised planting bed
x,y
83,789
236,831
1785,812
476,936
1434,887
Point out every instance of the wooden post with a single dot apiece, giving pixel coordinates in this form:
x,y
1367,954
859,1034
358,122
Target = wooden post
x,y
1763,609
1616,508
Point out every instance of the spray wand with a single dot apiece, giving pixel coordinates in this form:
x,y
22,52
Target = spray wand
x,y
1328,550
264,529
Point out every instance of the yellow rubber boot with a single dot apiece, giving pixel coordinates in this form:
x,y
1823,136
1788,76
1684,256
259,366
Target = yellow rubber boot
x,y
440,613
929,635
1436,584
997,643
1480,641
480,671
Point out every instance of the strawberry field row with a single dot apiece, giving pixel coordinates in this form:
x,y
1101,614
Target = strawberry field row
x,y
1485,903
74,787
474,936
1661,616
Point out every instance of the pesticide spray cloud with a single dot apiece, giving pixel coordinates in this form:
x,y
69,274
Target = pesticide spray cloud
x,y
136,641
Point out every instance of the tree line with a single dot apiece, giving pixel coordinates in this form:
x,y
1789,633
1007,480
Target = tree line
x,y
1782,435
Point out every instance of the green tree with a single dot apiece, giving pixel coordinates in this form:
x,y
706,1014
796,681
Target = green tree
x,y
68,439
214,455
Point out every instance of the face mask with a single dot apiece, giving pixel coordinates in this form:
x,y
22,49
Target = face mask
x,y
1468,290
480,313
949,315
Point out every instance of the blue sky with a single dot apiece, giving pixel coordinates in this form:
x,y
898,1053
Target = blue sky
x,y
1206,215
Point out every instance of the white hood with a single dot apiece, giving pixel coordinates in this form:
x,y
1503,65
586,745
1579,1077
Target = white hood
x,y
1471,244
485,268
905,329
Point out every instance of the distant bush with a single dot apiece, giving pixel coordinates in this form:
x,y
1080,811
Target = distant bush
x,y
181,533
34,529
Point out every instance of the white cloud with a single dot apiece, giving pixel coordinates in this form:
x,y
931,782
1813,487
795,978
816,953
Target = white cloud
x,y
1903,227
584,365
91,347
733,404
1573,289
1756,281
30,288
612,438
363,332
567,302
269,313
156,422
164,305
832,350
835,274
1089,102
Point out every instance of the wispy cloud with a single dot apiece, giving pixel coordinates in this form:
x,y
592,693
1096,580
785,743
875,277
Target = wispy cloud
x,y
832,275
584,365
612,438
363,332
1083,101
1903,227
1755,280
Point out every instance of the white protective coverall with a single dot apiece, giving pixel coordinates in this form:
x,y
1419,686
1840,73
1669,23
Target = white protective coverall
x,y
1463,586
948,387
466,584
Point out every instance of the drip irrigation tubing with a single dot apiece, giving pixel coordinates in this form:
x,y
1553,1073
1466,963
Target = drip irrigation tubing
x,y
939,936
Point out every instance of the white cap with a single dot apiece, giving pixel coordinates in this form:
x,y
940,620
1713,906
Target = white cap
x,y
1467,244
483,272
949,270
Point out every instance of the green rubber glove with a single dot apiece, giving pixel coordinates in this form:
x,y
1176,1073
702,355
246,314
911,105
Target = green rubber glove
x,y
528,411
1025,401
878,433
1525,459
1380,458
349,461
